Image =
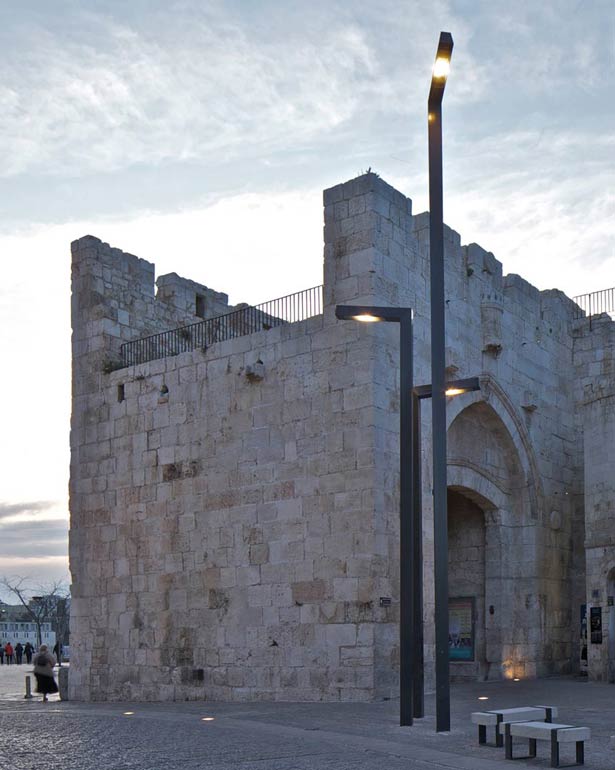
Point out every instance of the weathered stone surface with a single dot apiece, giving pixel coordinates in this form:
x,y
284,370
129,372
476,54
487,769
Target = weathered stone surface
x,y
235,512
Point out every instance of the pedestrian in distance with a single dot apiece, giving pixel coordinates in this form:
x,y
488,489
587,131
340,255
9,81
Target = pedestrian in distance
x,y
43,671
28,650
57,651
18,653
8,651
1,655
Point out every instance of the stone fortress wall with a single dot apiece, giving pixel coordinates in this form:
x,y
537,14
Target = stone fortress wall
x,y
231,534
595,367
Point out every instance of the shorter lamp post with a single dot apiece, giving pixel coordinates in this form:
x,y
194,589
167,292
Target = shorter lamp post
x,y
453,388
407,450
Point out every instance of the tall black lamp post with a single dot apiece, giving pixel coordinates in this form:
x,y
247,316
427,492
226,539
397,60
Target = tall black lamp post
x,y
407,639
438,401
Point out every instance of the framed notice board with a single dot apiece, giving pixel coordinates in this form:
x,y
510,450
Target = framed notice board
x,y
595,625
461,638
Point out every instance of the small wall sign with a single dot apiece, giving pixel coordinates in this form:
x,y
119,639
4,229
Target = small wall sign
x,y
385,601
595,624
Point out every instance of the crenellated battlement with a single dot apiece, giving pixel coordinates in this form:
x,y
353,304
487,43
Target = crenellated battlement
x,y
114,300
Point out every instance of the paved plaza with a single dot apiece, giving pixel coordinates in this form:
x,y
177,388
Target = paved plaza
x,y
283,736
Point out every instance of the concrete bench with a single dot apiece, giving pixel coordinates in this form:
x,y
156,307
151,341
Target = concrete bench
x,y
543,731
496,717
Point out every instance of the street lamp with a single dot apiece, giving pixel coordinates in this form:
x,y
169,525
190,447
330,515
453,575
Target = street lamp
x,y
453,388
438,401
407,451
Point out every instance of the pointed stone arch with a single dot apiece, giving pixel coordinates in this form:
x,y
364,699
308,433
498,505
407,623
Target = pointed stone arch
x,y
494,396
491,463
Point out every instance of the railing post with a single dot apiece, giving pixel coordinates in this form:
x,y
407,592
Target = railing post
x,y
590,312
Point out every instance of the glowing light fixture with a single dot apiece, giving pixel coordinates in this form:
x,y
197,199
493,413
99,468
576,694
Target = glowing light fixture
x,y
516,679
483,697
453,388
441,67
128,713
207,719
371,314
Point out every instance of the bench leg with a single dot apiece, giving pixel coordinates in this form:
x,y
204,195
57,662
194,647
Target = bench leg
x,y
508,744
554,749
482,734
532,747
499,738
580,753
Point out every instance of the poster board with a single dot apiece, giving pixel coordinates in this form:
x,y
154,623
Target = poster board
x,y
461,638
595,624
583,639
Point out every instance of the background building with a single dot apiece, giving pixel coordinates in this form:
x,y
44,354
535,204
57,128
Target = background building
x,y
17,626
234,480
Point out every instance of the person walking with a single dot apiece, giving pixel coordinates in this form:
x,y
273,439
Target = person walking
x,y
8,651
43,671
57,651
18,653
28,650
1,654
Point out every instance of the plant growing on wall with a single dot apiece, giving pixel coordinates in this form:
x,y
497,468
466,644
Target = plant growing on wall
x,y
111,365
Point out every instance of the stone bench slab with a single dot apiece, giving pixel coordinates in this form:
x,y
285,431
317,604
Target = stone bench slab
x,y
553,732
543,730
521,714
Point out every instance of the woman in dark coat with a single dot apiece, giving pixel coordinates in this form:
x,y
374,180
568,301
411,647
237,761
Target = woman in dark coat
x,y
43,671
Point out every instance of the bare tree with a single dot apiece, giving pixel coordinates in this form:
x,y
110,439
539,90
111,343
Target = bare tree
x,y
45,603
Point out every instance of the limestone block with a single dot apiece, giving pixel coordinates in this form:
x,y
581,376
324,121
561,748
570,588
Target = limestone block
x,y
304,592
259,554
339,635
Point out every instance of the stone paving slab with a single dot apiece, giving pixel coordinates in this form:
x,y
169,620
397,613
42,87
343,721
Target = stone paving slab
x,y
284,736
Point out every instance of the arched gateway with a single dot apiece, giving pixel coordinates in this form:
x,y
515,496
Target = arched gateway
x,y
496,613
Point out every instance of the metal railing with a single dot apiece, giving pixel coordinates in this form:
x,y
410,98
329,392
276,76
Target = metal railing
x,y
245,320
595,303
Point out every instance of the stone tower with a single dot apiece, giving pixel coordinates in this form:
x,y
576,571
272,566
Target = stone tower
x,y
234,505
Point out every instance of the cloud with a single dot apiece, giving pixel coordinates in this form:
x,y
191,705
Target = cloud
x,y
114,95
108,90
42,538
545,46
17,509
542,200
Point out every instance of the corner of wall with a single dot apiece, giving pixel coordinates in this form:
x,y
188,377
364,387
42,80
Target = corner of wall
x,y
368,237
111,290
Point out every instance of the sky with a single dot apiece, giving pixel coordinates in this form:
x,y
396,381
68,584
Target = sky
x,y
199,135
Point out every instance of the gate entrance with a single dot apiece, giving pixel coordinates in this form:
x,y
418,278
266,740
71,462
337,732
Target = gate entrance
x,y
466,580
